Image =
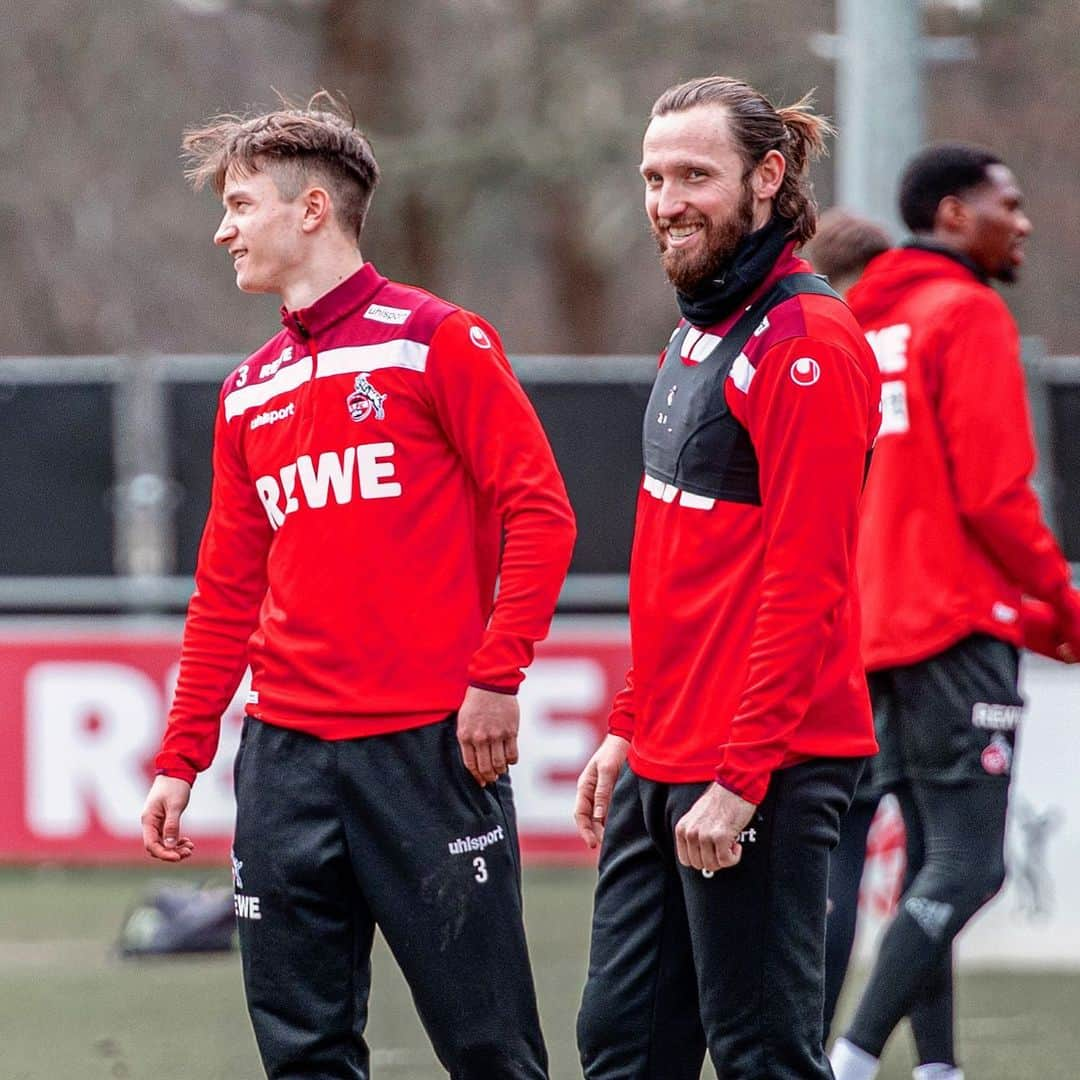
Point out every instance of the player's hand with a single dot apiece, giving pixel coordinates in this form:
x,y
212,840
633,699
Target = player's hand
x,y
1068,613
707,835
167,800
1046,630
594,788
487,731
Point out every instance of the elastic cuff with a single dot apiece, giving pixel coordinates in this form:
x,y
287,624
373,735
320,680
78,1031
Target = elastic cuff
x,y
187,775
509,691
745,788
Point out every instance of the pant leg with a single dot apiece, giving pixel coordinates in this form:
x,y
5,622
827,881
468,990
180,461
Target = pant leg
x,y
955,724
436,858
845,875
931,1015
758,928
964,826
639,1011
305,933
848,860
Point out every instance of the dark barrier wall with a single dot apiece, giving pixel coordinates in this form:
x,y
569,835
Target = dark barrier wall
x,y
56,479
72,427
190,412
1065,439
595,432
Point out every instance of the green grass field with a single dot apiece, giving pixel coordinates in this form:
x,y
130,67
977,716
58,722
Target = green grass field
x,y
69,1010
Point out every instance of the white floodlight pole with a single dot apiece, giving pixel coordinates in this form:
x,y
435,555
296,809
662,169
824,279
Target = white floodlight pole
x,y
880,56
879,102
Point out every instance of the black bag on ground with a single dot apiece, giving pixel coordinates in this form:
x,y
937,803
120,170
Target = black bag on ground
x,y
173,918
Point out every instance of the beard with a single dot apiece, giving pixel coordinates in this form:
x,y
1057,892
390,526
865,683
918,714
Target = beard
x,y
688,269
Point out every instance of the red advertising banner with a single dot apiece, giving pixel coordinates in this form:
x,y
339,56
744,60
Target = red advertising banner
x,y
82,709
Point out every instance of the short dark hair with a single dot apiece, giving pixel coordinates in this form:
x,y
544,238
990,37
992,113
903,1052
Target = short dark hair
x,y
940,170
294,143
757,126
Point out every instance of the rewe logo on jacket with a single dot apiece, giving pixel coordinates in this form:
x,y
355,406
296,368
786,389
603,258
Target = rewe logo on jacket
x,y
362,471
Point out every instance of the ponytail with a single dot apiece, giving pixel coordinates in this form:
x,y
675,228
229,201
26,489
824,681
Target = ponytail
x,y
805,135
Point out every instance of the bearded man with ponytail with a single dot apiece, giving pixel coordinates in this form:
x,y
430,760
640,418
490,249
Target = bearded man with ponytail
x,y
737,742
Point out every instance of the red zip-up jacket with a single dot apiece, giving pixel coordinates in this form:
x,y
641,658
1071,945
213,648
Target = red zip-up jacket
x,y
368,462
952,535
744,619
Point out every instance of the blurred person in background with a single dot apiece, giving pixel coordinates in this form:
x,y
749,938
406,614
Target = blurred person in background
x,y
737,742
841,248
956,571
376,467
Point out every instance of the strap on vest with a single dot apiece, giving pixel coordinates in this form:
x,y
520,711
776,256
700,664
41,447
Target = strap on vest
x,y
731,344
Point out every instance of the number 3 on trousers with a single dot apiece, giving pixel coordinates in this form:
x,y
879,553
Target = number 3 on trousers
x,y
480,866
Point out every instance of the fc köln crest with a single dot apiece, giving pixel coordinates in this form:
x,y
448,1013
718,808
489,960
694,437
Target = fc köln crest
x,y
365,400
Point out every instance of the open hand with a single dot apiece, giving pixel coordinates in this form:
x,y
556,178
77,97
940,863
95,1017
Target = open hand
x,y
594,788
167,800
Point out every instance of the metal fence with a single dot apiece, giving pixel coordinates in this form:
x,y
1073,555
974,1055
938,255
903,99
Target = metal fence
x,y
106,470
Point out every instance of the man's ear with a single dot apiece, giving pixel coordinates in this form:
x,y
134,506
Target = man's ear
x,y
952,215
316,208
768,175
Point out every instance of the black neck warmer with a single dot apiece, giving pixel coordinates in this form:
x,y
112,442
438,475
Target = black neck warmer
x,y
718,296
950,253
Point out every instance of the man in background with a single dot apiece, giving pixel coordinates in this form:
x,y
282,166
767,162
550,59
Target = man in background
x,y
842,246
376,468
954,560
743,727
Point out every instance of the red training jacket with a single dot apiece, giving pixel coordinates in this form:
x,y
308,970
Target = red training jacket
x,y
744,619
368,461
952,534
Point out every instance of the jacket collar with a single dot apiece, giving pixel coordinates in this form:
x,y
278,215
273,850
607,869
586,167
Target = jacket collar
x,y
342,300
949,253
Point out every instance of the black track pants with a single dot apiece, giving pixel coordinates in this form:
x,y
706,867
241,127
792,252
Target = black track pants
x,y
732,963
962,828
845,876
334,838
947,729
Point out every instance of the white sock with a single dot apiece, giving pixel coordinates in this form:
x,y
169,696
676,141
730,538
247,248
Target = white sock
x,y
938,1070
850,1063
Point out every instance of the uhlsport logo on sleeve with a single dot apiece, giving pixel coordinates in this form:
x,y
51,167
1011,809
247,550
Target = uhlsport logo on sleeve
x,y
805,371
479,338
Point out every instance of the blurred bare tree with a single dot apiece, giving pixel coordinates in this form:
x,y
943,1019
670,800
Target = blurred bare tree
x,y
509,134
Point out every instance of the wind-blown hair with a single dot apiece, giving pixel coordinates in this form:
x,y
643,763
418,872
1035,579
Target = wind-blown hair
x,y
757,127
936,172
295,144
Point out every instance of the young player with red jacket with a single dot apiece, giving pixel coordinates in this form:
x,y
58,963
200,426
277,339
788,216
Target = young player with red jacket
x,y
956,570
745,722
376,468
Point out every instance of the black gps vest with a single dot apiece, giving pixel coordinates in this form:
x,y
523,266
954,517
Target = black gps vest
x,y
690,439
